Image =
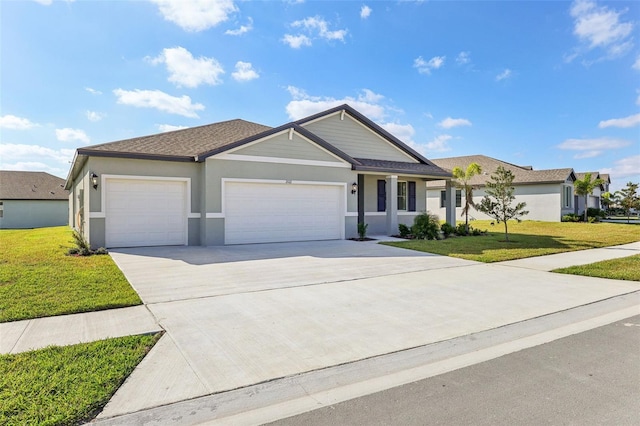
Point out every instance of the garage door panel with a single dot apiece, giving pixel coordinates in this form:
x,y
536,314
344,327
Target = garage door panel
x,y
145,213
268,212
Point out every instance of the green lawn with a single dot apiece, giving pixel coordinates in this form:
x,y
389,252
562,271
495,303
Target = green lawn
x,y
66,385
38,279
626,268
528,239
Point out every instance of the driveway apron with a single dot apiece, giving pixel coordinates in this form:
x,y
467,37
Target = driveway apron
x,y
237,316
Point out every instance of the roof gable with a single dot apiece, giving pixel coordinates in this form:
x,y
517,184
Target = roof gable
x,y
18,185
366,139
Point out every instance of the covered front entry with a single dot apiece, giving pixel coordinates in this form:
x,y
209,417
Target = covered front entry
x,y
266,212
145,212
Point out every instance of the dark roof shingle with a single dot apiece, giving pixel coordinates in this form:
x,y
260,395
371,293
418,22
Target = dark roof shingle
x,y
17,185
184,143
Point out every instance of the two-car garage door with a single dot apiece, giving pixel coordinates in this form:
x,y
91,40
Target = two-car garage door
x,y
274,212
141,212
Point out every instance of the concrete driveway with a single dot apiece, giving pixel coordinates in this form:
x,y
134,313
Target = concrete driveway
x,y
242,315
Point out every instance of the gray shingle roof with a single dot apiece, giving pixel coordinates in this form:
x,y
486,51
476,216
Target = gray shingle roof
x,y
16,185
180,144
522,174
366,164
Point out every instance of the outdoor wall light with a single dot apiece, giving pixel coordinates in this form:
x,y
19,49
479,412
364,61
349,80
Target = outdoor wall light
x,y
94,180
354,188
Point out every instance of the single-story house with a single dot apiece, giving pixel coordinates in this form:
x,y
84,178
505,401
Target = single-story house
x,y
237,182
549,194
594,200
32,200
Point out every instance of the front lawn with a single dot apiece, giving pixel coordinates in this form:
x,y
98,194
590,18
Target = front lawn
x,y
528,239
66,385
38,279
626,268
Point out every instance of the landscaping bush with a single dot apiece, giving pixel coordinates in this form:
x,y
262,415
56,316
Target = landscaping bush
x,y
447,229
404,230
596,213
571,217
362,230
426,226
461,229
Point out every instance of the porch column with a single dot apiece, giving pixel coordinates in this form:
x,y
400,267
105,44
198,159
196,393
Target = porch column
x,y
450,203
392,205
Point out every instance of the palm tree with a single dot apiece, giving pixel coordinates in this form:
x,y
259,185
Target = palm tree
x,y
463,177
585,187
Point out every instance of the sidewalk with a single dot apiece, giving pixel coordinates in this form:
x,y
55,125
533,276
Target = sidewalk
x,y
213,345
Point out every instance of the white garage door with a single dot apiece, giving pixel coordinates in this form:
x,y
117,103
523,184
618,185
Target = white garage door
x,y
145,212
270,212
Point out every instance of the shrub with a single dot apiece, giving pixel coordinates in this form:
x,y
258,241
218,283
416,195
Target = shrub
x,y
447,229
426,226
597,213
404,230
362,230
82,247
571,217
461,229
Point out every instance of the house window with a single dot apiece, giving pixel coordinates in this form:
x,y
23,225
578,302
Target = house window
x,y
402,195
443,198
1,209
567,196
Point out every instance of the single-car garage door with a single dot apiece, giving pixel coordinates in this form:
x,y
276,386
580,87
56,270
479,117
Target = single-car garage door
x,y
276,212
145,212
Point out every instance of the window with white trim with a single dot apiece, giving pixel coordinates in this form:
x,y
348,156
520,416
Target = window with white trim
x,y
443,198
567,196
402,196
1,209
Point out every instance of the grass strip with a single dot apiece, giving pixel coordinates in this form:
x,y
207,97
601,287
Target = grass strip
x,y
528,239
626,268
38,279
66,385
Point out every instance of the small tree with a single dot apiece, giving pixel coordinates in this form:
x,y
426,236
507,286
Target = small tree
x,y
463,177
497,202
585,187
607,200
629,198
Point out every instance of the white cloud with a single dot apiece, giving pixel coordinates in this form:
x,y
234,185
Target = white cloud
x,y
439,143
196,15
463,58
318,26
504,74
170,128
185,70
315,27
590,148
600,27
425,67
630,121
365,12
68,134
304,105
95,116
44,2
624,168
35,158
242,30
93,91
404,132
297,41
449,122
16,123
636,64
159,100
244,72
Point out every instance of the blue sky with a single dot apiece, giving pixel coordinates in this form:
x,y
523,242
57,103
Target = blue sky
x,y
548,84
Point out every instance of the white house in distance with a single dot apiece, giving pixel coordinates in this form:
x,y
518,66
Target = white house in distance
x,y
549,194
594,200
32,200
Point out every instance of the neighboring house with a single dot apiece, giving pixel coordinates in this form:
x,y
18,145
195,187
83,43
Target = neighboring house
x,y
549,194
239,182
594,200
32,200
